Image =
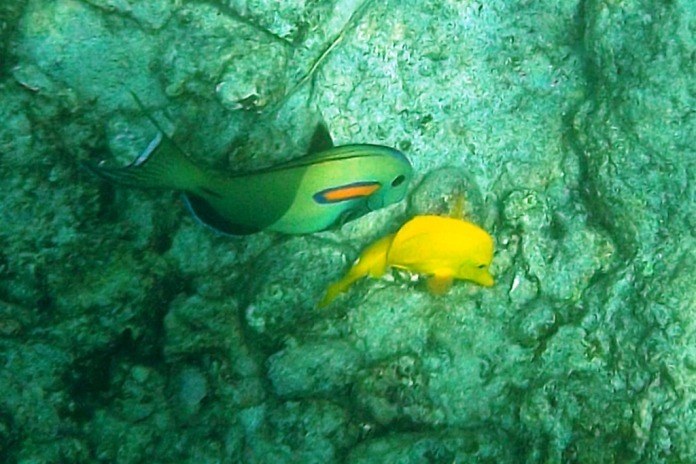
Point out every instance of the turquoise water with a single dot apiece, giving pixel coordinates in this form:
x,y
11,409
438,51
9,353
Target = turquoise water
x,y
131,333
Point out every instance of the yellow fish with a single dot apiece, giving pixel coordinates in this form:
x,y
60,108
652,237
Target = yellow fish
x,y
441,248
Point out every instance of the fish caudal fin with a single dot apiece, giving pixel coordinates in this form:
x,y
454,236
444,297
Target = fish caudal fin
x,y
334,290
161,165
372,262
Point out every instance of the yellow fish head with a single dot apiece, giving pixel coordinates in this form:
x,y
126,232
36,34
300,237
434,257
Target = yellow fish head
x,y
474,254
477,273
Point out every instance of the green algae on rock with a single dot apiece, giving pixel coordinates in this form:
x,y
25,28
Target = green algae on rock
x,y
131,336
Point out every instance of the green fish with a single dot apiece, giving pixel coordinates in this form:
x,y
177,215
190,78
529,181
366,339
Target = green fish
x,y
327,187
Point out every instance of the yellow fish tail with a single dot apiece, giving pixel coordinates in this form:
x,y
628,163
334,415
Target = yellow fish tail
x,y
334,290
372,262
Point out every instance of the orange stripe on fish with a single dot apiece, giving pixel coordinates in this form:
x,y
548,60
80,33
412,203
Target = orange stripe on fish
x,y
346,192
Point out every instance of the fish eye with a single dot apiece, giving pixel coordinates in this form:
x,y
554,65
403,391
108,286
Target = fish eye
x,y
398,180
481,266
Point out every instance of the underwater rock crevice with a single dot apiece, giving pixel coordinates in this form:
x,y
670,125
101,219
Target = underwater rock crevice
x,y
158,341
88,379
9,435
10,14
228,10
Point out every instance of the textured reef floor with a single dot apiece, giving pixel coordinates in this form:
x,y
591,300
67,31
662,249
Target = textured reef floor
x,y
129,333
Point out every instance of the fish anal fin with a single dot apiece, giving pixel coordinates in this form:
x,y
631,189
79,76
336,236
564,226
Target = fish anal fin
x,y
438,284
207,215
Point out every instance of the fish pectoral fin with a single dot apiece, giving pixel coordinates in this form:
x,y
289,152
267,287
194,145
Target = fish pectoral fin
x,y
438,284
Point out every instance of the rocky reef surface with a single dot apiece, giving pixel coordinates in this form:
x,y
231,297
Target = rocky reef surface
x,y
129,333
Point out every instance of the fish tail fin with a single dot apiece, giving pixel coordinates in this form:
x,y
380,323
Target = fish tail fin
x,y
334,290
356,273
372,262
161,165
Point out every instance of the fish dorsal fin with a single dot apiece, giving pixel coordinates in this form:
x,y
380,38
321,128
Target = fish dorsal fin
x,y
419,226
457,211
321,139
333,154
430,239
